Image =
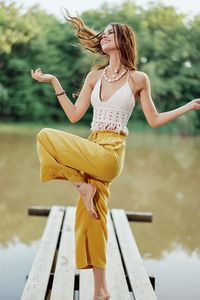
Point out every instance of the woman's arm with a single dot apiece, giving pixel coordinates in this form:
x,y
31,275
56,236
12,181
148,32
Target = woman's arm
x,y
154,118
73,111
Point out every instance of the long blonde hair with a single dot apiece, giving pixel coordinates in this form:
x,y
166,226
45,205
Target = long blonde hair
x,y
124,37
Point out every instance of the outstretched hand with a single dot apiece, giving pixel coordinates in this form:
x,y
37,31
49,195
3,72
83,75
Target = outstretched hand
x,y
196,104
39,76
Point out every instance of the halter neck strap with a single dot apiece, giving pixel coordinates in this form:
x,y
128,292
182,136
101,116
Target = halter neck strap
x,y
102,74
128,75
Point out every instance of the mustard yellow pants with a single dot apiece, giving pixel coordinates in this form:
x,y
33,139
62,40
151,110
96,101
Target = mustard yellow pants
x,y
99,159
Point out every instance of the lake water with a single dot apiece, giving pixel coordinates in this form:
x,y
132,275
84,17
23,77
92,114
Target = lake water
x,y
161,175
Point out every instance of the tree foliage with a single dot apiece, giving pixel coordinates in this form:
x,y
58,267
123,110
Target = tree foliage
x,y
168,51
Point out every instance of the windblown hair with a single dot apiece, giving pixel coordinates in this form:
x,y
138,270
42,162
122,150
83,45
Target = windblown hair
x,y
125,40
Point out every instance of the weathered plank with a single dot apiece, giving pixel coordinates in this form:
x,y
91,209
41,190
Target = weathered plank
x,y
64,277
36,284
63,283
131,215
86,288
115,274
139,280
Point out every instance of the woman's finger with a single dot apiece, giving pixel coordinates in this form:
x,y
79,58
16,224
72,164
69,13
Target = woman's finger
x,y
37,77
33,74
37,73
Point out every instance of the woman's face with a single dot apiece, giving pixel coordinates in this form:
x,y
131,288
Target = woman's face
x,y
108,40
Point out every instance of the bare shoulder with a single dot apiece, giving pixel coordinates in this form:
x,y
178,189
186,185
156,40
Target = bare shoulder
x,y
139,77
93,76
139,82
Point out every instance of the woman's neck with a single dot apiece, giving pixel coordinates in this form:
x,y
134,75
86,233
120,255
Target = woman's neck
x,y
114,61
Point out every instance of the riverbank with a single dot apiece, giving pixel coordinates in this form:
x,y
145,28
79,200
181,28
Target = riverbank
x,y
177,127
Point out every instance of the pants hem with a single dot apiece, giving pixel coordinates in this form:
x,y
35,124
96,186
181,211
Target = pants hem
x,y
91,266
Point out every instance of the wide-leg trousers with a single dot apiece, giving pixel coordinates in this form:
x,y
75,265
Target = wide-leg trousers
x,y
98,159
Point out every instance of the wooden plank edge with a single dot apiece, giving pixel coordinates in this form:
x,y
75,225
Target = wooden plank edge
x,y
131,215
33,282
119,215
64,275
42,210
134,216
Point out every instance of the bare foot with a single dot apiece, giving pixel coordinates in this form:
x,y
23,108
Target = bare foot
x,y
87,192
103,295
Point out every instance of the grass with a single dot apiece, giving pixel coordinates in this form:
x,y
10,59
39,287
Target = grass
x,y
135,126
33,128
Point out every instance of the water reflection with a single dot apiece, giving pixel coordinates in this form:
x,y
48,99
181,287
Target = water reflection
x,y
15,264
177,275
161,174
20,187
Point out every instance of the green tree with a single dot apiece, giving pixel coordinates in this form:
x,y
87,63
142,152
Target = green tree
x,y
168,51
15,27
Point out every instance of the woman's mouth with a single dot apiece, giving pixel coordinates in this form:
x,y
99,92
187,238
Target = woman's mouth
x,y
104,41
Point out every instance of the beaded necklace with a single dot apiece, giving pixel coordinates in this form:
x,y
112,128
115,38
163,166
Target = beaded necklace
x,y
114,76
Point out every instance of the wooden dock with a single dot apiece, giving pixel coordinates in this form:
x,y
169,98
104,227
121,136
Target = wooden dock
x,y
54,275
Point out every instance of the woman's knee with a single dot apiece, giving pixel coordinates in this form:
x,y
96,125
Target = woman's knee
x,y
44,132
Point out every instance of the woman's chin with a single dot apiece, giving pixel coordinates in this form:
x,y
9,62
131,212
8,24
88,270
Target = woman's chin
x,y
107,50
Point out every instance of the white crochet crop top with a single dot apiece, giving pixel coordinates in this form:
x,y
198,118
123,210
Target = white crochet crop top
x,y
114,113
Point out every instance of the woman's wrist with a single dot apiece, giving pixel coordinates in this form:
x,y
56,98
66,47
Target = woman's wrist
x,y
59,91
191,105
54,80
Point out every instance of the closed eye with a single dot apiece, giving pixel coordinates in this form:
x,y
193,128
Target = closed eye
x,y
107,33
110,32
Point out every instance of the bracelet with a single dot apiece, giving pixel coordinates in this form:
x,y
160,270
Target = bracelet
x,y
60,93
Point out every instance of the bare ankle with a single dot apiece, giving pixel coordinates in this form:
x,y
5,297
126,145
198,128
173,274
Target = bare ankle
x,y
81,186
102,293
78,184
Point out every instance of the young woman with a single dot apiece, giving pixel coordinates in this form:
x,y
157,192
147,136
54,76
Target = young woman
x,y
92,164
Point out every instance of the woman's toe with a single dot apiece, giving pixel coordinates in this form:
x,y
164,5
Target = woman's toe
x,y
93,213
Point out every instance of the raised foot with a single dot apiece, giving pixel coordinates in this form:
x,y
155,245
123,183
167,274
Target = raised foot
x,y
87,192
